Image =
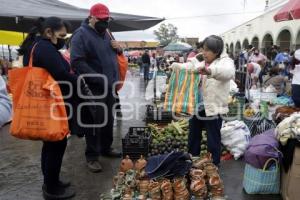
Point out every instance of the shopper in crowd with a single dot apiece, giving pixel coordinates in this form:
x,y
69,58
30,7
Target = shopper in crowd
x,y
146,64
181,58
47,37
257,57
282,57
275,79
296,78
94,55
283,61
243,56
5,104
153,61
216,71
273,54
5,65
250,50
140,64
253,70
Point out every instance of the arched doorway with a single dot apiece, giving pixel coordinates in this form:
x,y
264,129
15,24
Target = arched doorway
x,y
255,42
227,48
231,50
298,40
238,48
267,43
245,43
284,39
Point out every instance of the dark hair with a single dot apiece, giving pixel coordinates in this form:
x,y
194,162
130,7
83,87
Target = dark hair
x,y
199,45
274,71
294,62
215,44
39,27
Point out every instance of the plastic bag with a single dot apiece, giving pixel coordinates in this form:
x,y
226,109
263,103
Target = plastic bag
x,y
233,86
235,135
161,87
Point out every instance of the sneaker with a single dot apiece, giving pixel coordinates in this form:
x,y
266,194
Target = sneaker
x,y
57,193
94,166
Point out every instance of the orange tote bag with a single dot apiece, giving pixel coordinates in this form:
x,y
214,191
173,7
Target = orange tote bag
x,y
39,111
123,65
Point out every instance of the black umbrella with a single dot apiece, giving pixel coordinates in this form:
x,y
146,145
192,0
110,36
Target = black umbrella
x,y
19,15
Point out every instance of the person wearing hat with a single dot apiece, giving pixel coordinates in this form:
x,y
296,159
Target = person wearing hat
x,y
296,78
94,57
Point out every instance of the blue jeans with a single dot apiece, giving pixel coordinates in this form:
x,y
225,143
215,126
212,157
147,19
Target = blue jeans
x,y
146,71
141,69
213,128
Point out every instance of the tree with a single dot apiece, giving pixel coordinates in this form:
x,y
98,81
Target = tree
x,y
166,34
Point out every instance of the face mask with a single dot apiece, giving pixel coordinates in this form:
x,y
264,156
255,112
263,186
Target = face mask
x,y
256,53
60,43
101,26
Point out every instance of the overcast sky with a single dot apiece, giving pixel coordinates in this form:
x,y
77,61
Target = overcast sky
x,y
182,9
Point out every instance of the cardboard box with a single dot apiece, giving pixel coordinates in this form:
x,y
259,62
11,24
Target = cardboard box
x,y
290,181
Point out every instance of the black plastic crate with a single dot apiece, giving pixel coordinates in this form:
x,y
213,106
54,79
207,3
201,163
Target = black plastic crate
x,y
156,114
136,142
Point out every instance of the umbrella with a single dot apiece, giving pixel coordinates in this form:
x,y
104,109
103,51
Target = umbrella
x,y
134,53
289,11
178,46
19,15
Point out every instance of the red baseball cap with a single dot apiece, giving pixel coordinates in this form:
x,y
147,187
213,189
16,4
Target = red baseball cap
x,y
100,11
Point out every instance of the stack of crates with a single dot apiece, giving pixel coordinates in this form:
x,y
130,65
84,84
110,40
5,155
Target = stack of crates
x,y
136,142
156,114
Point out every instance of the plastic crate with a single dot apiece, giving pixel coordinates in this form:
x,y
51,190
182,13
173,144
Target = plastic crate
x,y
136,142
156,114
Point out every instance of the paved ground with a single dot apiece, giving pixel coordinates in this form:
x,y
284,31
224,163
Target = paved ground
x,y
20,174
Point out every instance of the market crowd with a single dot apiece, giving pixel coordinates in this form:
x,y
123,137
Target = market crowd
x,y
89,62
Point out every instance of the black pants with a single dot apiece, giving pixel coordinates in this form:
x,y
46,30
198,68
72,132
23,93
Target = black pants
x,y
52,156
118,105
99,140
213,127
296,94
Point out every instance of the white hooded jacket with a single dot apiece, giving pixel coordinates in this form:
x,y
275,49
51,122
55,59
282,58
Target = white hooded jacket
x,y
216,86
